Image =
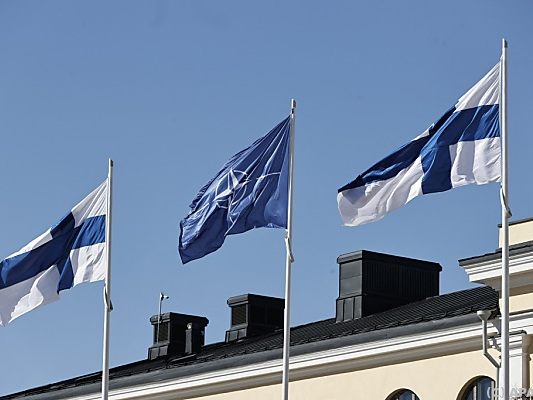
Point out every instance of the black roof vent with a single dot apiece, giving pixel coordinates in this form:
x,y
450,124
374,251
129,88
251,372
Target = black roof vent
x,y
177,334
372,282
253,315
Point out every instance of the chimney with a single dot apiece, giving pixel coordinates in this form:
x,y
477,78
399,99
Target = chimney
x,y
371,282
176,334
253,315
194,337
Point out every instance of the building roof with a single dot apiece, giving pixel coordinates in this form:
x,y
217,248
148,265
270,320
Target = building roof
x,y
425,315
514,250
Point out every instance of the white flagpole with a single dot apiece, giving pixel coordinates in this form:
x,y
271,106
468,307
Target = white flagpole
x,y
107,286
290,259
505,225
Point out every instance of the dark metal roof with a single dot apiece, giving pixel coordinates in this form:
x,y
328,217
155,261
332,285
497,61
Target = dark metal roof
x,y
393,323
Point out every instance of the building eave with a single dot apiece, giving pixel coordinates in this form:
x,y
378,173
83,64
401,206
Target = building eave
x,y
486,269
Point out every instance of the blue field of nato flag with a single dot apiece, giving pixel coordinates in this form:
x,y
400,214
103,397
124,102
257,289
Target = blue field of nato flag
x,y
69,253
249,192
463,147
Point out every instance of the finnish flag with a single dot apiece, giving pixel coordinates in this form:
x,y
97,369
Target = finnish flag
x,y
69,253
463,147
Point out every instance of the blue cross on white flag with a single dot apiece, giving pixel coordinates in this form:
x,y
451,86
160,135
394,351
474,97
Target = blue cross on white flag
x,y
463,147
69,253
249,192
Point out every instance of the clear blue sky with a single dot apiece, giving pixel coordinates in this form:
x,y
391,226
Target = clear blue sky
x,y
171,89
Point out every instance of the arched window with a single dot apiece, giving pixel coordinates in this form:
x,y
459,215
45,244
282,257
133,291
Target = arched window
x,y
403,394
479,389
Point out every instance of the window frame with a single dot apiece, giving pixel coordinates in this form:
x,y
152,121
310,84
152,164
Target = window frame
x,y
400,392
472,387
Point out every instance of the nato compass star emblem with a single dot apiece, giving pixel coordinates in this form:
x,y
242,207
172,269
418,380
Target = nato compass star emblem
x,y
231,189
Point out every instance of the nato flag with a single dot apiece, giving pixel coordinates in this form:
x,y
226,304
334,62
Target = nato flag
x,y
249,192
